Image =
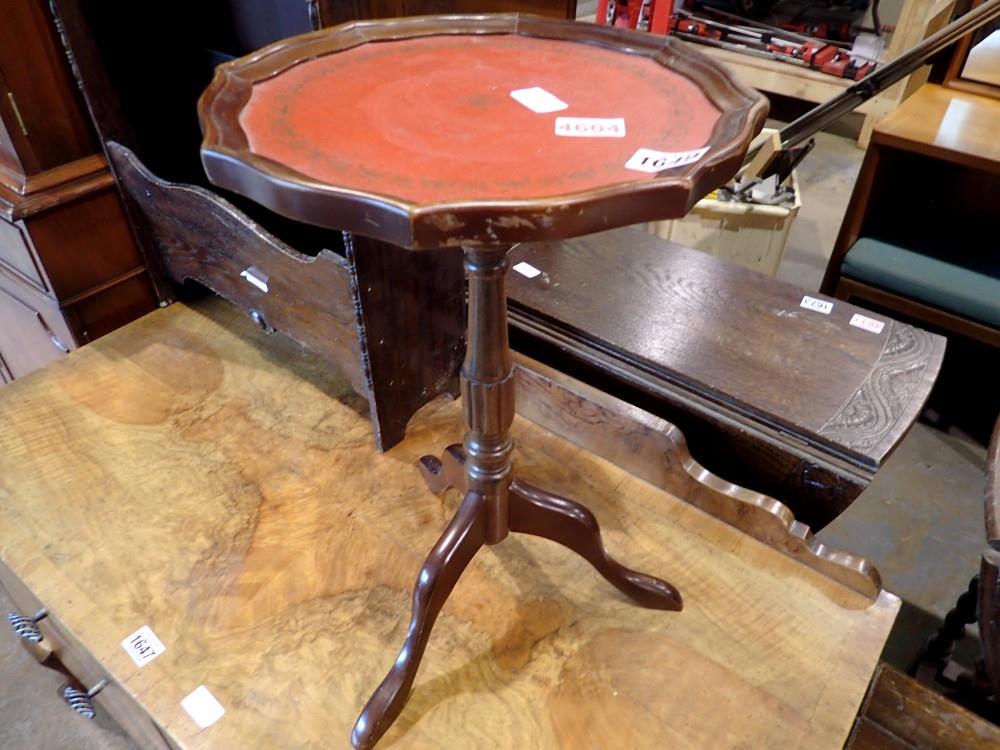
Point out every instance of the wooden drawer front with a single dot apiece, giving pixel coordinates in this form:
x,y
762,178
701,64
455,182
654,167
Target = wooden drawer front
x,y
33,331
80,664
17,258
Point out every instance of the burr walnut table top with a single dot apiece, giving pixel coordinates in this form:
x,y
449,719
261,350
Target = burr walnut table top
x,y
187,474
438,130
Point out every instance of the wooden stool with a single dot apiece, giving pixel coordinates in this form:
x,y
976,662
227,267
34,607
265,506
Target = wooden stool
x,y
443,131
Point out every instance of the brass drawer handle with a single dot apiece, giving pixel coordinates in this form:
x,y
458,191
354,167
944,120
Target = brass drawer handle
x,y
27,628
80,700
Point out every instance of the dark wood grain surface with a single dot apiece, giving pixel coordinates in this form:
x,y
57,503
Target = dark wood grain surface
x,y
901,714
738,338
308,298
410,312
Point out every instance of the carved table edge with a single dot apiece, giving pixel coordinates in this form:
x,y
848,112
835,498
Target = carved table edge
x,y
868,419
646,446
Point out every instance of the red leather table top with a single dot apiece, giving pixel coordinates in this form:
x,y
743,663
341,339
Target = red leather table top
x,y
432,119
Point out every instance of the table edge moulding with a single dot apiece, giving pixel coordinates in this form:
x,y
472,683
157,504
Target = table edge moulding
x,y
496,502
231,165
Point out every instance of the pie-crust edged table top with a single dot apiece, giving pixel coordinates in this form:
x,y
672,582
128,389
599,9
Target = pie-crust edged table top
x,y
187,474
407,131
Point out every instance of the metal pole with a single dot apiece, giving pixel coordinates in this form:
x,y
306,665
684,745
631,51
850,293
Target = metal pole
x,y
880,79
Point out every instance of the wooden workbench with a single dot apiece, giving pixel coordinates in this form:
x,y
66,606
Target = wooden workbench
x,y
187,474
917,20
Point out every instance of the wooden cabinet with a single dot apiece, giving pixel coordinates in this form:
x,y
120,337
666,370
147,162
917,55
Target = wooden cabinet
x,y
33,331
70,270
42,123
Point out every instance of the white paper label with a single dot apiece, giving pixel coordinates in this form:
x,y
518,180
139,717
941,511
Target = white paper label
x,y
866,323
202,706
816,305
591,127
526,269
648,160
254,277
143,646
539,100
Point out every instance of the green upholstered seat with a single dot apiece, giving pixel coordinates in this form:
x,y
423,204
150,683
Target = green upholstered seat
x,y
966,284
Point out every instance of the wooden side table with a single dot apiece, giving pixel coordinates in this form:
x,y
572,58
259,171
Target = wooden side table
x,y
185,474
479,132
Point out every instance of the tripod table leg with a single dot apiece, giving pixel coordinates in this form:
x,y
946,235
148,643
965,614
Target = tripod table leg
x,y
534,511
444,565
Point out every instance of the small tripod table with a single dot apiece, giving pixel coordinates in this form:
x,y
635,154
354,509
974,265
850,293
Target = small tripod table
x,y
479,132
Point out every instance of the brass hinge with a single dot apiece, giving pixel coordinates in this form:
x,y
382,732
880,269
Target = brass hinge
x,y
17,113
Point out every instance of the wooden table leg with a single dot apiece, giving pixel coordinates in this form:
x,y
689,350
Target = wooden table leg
x,y
444,565
495,503
540,513
537,512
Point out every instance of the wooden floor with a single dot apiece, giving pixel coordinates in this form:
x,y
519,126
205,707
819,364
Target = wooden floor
x,y
186,474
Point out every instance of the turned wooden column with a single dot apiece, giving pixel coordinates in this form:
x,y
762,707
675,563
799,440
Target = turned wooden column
x,y
488,387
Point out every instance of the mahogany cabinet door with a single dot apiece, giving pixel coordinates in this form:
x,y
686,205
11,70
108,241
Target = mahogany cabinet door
x,y
44,121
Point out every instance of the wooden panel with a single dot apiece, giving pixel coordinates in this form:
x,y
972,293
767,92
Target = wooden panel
x,y
17,257
84,243
947,124
901,713
46,101
656,451
28,323
735,337
203,238
411,310
111,306
870,736
237,508
391,320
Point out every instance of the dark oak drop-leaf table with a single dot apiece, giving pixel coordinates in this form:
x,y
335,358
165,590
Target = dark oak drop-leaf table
x,y
479,132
